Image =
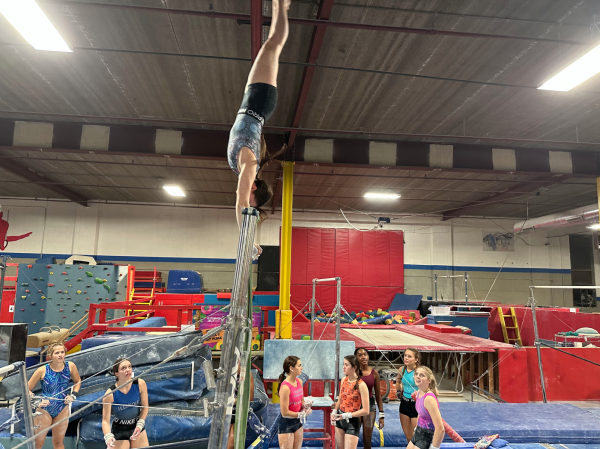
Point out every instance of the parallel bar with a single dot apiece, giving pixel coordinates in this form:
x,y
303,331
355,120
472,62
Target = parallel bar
x,y
233,335
27,414
567,287
326,280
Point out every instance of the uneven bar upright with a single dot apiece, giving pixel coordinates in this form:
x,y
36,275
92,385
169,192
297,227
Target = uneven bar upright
x,y
233,335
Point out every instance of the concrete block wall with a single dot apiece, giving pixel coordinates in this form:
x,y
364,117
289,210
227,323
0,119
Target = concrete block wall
x,y
205,239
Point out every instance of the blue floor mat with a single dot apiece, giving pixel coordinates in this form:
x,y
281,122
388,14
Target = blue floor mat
x,y
516,423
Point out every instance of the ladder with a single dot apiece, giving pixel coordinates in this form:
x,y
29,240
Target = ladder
x,y
145,289
514,327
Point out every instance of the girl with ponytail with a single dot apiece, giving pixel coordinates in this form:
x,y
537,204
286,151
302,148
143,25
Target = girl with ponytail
x,y
430,427
351,405
294,409
405,388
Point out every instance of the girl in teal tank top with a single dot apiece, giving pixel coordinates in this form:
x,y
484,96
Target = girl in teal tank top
x,y
405,387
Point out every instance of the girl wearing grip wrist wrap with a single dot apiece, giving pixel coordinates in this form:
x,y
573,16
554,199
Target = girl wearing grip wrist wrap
x,y
351,405
371,378
430,427
293,408
128,429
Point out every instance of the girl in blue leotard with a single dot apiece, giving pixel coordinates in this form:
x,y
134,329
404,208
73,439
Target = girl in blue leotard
x,y
55,377
405,387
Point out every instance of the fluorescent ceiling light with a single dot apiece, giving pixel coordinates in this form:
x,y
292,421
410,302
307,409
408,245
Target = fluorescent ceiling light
x,y
35,27
383,196
174,190
594,226
578,72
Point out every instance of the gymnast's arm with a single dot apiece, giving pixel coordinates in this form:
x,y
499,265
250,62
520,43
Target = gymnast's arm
x,y
434,411
247,164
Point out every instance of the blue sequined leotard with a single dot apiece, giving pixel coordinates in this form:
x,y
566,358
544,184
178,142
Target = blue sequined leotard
x,y
55,385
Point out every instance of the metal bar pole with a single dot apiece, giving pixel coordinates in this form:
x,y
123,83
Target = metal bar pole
x,y
312,311
435,284
466,290
537,345
27,415
233,335
337,337
326,280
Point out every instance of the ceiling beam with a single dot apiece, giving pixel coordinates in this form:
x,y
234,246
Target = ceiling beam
x,y
24,172
316,43
500,197
256,19
244,18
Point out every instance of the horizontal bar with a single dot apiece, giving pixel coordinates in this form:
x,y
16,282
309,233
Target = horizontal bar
x,y
453,276
327,280
567,287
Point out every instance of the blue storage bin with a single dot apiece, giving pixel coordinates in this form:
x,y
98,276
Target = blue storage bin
x,y
184,281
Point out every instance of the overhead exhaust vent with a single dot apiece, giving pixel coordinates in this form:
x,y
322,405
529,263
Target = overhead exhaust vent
x,y
582,215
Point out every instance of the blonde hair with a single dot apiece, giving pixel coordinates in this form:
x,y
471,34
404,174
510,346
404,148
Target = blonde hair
x,y
430,378
53,346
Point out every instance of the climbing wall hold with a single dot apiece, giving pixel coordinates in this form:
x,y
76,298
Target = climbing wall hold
x,y
22,310
98,281
78,279
104,280
79,292
87,299
68,268
33,304
26,291
50,285
81,268
70,286
64,273
35,279
24,284
41,310
77,304
89,274
48,266
60,291
29,266
41,279
61,310
23,297
107,287
52,272
108,274
66,279
43,297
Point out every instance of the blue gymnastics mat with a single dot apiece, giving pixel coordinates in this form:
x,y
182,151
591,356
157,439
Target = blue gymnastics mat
x,y
516,423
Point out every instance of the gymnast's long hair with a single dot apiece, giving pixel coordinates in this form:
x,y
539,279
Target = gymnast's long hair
x,y
354,363
263,192
289,362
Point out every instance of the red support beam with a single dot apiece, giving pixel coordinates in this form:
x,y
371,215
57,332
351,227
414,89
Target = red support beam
x,y
256,20
25,172
314,51
510,193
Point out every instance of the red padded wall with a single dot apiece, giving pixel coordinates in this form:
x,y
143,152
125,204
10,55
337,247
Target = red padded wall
x,y
371,265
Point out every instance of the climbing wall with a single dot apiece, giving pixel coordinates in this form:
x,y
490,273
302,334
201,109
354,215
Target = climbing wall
x,y
60,295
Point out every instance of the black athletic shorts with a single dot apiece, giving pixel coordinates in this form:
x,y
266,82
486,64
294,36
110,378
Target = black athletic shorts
x,y
372,404
351,426
408,407
422,438
289,425
124,428
259,101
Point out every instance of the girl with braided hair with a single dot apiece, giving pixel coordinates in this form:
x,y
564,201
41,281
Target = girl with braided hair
x,y
351,405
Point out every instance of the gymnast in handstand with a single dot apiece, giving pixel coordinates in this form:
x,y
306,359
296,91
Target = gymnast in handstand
x,y
247,151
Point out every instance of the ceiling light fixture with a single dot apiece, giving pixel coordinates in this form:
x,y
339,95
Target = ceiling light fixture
x,y
594,226
29,20
174,190
578,72
383,196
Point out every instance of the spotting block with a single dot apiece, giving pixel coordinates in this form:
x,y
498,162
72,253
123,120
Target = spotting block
x,y
318,357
